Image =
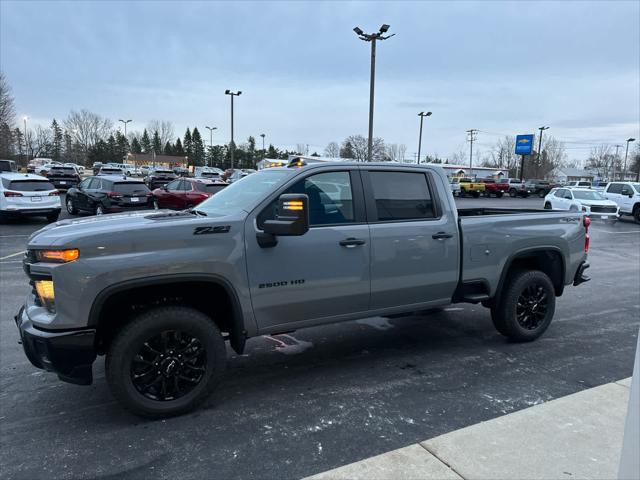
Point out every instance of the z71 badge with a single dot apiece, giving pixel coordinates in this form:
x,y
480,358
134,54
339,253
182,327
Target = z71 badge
x,y
208,230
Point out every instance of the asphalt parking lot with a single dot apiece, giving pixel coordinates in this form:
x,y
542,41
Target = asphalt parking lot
x,y
294,405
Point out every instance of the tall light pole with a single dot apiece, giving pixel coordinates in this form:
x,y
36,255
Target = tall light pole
x,y
626,154
26,154
472,136
232,145
125,122
211,129
421,115
613,163
263,150
542,129
372,37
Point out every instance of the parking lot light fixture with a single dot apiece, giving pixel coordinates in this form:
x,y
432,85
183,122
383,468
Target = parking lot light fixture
x,y
421,115
232,145
211,129
263,150
626,154
372,37
542,129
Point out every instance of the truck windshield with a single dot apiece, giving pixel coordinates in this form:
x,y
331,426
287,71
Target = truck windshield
x,y
588,195
242,195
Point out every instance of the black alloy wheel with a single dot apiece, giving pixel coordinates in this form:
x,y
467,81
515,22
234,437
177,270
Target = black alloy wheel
x,y
532,305
168,366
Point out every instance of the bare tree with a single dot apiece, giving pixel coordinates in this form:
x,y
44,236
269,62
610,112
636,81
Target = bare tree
x,y
460,157
356,145
603,161
332,150
38,141
552,157
87,128
301,149
164,129
402,151
7,107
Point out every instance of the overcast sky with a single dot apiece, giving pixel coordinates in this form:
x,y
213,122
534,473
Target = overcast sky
x,y
500,67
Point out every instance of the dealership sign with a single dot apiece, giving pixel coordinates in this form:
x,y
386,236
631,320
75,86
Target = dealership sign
x,y
524,144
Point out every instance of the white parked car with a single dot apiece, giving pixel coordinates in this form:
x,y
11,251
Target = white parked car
x,y
593,203
627,196
26,194
79,168
212,173
111,170
576,184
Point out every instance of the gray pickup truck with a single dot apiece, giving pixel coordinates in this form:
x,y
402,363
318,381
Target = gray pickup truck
x,y
160,292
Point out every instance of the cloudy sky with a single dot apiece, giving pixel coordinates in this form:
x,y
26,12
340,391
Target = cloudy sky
x,y
500,67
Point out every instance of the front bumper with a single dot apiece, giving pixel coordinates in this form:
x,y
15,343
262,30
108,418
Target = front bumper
x,y
69,354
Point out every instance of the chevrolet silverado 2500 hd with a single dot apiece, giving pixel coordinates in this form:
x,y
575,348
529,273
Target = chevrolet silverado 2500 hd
x,y
159,292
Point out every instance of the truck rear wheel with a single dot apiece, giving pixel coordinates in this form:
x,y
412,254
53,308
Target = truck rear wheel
x,y
166,361
526,306
512,192
499,194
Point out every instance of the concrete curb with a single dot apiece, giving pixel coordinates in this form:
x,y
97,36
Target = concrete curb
x,y
577,436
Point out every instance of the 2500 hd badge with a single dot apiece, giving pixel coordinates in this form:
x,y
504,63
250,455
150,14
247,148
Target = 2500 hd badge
x,y
281,284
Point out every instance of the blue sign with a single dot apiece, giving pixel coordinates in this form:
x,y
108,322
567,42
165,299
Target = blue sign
x,y
524,144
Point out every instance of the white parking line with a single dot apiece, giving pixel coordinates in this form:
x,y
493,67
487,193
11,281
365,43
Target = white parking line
x,y
12,255
11,236
617,233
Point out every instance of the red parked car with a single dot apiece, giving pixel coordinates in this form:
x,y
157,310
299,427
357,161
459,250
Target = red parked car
x,y
185,193
491,187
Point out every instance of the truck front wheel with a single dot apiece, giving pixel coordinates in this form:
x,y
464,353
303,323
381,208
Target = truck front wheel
x,y
166,361
526,306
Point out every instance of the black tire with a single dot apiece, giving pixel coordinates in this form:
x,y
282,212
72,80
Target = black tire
x,y
499,194
513,193
542,193
463,192
53,217
515,316
71,208
547,206
132,342
475,194
636,213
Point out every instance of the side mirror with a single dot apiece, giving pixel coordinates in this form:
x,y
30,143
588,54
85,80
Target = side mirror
x,y
292,219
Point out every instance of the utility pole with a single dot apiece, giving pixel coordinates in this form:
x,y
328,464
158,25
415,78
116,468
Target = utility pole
x,y
542,129
26,151
613,177
211,129
264,153
232,146
421,115
372,37
472,136
626,154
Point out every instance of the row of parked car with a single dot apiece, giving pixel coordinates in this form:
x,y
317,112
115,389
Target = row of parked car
x,y
506,186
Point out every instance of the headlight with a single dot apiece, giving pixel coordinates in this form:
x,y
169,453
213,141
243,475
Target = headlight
x,y
58,256
46,294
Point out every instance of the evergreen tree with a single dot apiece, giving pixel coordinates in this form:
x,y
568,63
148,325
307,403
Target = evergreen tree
x,y
122,145
272,152
112,150
168,149
6,141
157,144
18,140
135,146
145,142
198,148
251,152
177,149
56,141
188,144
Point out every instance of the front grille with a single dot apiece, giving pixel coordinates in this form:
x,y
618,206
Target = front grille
x,y
596,209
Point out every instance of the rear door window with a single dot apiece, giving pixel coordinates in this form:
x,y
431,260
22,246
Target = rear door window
x,y
210,188
401,196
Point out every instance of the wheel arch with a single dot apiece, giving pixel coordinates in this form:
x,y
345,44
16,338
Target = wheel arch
x,y
549,260
212,294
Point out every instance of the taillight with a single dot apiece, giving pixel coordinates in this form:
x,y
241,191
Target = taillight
x,y
54,193
586,221
12,194
114,195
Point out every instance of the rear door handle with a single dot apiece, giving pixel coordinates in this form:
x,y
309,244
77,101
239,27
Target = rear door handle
x,y
351,242
441,235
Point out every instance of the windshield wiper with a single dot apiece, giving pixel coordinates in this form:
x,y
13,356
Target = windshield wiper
x,y
197,212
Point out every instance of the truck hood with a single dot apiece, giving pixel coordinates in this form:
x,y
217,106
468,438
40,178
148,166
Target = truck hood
x,y
102,228
599,203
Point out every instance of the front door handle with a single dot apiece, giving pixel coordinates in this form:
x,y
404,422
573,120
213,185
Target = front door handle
x,y
351,242
441,235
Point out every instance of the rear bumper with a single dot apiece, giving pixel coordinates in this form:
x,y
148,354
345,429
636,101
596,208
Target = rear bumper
x,y
69,354
30,212
580,277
